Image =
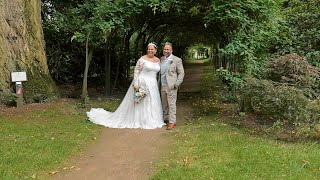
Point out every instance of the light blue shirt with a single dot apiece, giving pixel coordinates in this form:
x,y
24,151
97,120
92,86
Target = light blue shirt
x,y
164,69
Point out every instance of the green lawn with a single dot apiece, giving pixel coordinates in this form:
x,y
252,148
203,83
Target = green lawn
x,y
40,140
209,148
215,150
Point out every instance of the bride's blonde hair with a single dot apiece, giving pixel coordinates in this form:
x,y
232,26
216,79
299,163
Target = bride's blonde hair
x,y
152,44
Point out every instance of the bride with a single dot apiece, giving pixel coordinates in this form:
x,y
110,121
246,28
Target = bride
x,y
141,106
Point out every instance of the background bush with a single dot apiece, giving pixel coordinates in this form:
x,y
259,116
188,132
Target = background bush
x,y
296,71
278,102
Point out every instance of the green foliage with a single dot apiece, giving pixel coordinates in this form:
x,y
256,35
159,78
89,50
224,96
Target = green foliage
x,y
193,48
8,99
314,108
39,89
67,23
100,17
314,58
295,71
249,28
234,82
278,102
302,26
289,95
312,129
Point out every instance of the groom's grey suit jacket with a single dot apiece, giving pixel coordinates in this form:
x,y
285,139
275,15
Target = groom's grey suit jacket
x,y
175,73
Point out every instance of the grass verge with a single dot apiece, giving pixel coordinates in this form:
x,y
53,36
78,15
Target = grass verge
x,y
211,149
208,147
41,138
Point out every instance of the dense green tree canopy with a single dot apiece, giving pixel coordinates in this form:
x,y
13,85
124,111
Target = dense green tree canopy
x,y
242,30
243,34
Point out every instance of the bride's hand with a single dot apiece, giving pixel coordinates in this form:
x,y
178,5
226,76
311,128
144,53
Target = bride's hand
x,y
135,87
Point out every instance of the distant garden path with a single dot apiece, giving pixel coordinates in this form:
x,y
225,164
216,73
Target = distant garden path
x,y
131,153
193,75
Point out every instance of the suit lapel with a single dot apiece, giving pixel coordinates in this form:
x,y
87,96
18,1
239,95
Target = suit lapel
x,y
163,58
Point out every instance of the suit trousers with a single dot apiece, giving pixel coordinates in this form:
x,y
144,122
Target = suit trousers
x,y
169,99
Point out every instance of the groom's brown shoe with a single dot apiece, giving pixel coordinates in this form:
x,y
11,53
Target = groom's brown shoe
x,y
170,126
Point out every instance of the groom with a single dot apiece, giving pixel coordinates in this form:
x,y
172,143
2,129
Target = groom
x,y
172,74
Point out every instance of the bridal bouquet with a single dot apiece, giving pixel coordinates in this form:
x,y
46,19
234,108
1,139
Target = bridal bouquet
x,y
139,94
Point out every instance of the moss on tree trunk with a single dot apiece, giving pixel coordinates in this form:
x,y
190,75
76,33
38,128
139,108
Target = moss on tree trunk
x,y
22,48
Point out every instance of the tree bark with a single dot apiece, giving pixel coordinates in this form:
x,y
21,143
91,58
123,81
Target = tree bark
x,y
107,71
128,57
84,95
22,48
107,65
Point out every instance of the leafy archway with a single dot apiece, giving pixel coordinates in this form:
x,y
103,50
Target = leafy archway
x,y
238,32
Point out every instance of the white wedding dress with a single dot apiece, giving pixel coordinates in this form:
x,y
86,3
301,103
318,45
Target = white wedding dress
x,y
146,114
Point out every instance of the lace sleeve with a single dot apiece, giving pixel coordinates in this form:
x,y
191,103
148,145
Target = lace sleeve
x,y
137,71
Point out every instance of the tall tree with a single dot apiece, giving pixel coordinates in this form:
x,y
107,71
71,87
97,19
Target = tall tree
x,y
22,49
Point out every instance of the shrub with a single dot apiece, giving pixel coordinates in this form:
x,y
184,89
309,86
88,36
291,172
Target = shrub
x,y
295,71
278,102
314,109
311,129
234,83
314,58
8,98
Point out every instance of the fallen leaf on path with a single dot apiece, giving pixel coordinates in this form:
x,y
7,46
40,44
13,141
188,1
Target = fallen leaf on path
x,y
305,163
72,167
33,176
94,138
64,168
53,172
78,169
186,161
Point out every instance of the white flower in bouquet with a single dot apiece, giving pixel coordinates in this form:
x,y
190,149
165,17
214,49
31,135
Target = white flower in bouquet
x,y
142,91
139,94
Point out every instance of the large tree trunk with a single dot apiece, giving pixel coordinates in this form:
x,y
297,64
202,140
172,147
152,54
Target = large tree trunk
x,y
22,48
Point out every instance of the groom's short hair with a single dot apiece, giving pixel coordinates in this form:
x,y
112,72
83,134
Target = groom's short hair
x,y
168,43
